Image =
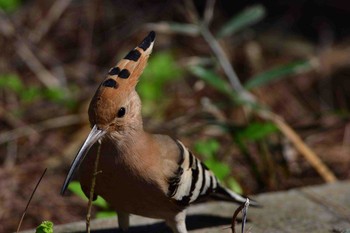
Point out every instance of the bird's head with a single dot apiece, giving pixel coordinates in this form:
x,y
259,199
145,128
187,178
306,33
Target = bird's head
x,y
115,108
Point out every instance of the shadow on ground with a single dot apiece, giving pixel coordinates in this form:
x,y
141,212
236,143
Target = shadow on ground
x,y
193,222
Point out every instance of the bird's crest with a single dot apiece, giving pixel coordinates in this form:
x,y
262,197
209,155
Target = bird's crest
x,y
124,76
120,82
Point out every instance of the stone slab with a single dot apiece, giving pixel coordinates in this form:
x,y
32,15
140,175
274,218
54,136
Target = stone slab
x,y
315,209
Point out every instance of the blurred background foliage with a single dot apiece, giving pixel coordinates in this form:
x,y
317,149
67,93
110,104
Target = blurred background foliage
x,y
293,57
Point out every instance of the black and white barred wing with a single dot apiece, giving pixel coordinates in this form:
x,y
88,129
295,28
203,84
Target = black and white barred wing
x,y
193,180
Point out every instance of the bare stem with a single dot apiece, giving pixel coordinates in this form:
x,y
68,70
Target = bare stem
x,y
223,60
92,190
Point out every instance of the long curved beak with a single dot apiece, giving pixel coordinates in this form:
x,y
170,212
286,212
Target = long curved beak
x,y
94,135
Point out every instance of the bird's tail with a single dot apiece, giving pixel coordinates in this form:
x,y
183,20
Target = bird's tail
x,y
224,194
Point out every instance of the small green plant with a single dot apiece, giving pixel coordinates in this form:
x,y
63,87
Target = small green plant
x,y
256,131
243,20
160,70
45,227
31,93
277,73
75,188
255,134
9,5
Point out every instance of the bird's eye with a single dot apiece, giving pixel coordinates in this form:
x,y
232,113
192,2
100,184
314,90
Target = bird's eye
x,y
121,112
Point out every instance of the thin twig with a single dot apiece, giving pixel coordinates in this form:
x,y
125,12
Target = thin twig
x,y
92,190
26,54
56,10
29,130
244,208
223,60
30,199
234,217
209,12
33,63
171,28
191,13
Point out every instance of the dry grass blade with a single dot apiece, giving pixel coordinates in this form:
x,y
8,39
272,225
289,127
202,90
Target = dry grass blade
x,y
31,196
304,149
92,190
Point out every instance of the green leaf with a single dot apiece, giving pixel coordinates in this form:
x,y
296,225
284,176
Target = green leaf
x,y
220,169
207,148
234,185
246,18
278,73
30,94
212,79
12,82
54,94
100,202
45,227
105,214
221,85
256,131
162,69
75,188
9,5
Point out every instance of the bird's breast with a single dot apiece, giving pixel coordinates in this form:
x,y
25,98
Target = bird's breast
x,y
128,182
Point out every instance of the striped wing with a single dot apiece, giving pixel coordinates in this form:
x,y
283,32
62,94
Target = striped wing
x,y
193,181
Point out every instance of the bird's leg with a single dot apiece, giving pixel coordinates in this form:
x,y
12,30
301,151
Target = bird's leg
x,y
123,220
177,224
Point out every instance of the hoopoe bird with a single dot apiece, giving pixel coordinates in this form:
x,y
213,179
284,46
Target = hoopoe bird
x,y
144,174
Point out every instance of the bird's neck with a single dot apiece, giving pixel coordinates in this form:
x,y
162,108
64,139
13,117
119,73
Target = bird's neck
x,y
134,150
128,139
